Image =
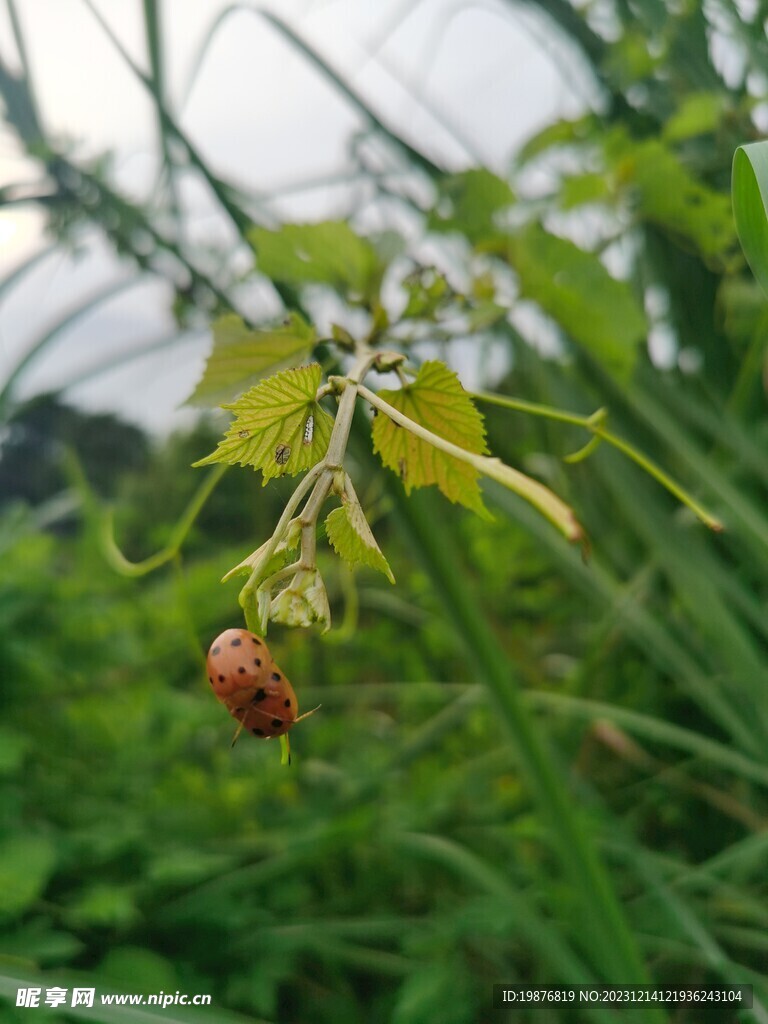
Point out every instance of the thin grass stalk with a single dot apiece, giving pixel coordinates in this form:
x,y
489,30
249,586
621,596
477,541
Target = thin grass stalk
x,y
599,925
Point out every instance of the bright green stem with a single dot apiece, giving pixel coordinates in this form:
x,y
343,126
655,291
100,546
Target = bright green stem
x,y
598,923
121,564
595,427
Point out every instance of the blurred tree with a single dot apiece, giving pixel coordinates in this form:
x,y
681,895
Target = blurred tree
x,y
41,431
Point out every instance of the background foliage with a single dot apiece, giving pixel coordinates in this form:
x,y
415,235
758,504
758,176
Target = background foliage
x,y
403,864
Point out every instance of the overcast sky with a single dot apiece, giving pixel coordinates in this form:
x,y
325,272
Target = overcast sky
x,y
469,82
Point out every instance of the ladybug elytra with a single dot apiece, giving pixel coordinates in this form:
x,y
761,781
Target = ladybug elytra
x,y
251,686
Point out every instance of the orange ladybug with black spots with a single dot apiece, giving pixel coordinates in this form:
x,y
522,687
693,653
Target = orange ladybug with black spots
x,y
251,686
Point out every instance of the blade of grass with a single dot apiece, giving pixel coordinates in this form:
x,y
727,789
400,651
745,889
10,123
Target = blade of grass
x,y
655,729
685,922
473,869
13,977
648,632
153,36
599,923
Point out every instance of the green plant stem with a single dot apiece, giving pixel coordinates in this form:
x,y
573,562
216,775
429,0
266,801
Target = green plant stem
x,y
595,427
121,564
599,925
268,549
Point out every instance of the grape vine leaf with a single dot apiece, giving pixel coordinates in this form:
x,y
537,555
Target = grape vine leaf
x,y
326,253
352,539
279,428
600,313
470,202
437,401
241,356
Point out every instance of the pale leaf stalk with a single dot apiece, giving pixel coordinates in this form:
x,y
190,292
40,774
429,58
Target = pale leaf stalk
x,y
282,525
334,457
320,480
550,506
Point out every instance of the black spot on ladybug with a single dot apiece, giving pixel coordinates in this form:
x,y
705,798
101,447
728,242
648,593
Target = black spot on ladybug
x,y
256,640
239,710
288,702
210,680
221,679
215,650
276,676
257,661
258,732
276,723
236,643
259,695
241,669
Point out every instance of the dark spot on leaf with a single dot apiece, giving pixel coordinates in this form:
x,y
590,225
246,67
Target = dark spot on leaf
x,y
282,453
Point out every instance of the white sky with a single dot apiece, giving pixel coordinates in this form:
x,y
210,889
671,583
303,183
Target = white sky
x,y
437,71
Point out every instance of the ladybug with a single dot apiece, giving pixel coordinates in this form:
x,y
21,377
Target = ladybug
x,y
252,687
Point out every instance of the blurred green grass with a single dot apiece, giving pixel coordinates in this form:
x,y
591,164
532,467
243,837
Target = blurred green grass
x,y
402,865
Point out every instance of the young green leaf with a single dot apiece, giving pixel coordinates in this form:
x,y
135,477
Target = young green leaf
x,y
279,427
289,542
326,253
436,400
242,356
352,539
303,602
750,206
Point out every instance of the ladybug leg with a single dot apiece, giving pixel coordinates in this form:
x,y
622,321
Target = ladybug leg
x,y
240,727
